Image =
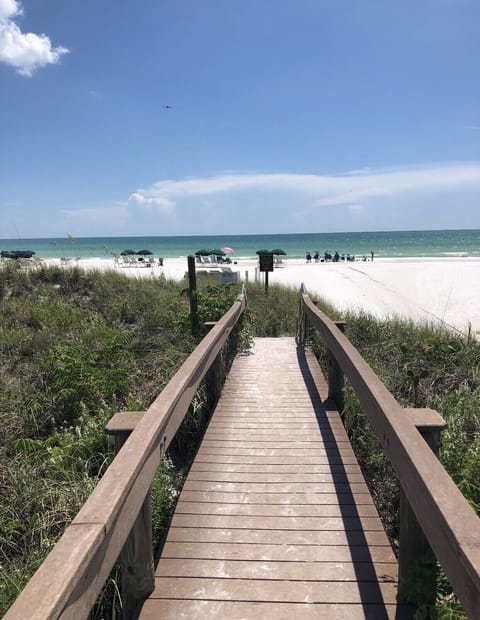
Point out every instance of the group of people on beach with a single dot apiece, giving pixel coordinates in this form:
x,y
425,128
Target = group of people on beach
x,y
327,257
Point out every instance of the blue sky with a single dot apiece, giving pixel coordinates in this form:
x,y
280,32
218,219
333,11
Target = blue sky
x,y
286,116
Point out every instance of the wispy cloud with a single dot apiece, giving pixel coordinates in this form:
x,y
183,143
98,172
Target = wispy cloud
x,y
474,127
26,51
118,213
352,189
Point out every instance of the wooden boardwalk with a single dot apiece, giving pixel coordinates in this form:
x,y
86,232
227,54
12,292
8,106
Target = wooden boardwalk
x,y
275,520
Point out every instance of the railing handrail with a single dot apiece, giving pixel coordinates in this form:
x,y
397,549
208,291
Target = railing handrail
x,y
448,521
70,579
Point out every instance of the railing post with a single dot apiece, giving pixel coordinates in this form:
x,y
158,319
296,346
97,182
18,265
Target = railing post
x,y
214,377
336,379
192,285
416,565
302,319
302,325
136,557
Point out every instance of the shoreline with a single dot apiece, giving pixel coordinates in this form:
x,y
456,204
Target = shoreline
x,y
443,291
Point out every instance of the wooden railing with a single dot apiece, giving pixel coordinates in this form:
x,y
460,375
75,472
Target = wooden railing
x,y
444,516
70,579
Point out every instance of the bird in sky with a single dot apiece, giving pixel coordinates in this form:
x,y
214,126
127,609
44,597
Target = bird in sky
x,y
167,107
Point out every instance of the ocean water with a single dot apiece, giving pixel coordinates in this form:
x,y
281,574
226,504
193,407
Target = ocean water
x,y
396,244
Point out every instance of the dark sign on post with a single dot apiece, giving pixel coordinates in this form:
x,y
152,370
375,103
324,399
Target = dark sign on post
x,y
266,262
266,265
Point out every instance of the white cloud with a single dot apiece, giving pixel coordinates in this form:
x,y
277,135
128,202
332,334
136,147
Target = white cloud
x,y
352,189
164,204
9,9
28,51
355,208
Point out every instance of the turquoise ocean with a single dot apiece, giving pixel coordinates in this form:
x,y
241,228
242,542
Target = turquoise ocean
x,y
397,244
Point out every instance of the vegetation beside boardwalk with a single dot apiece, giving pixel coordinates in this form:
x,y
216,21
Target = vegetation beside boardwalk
x,y
422,366
76,347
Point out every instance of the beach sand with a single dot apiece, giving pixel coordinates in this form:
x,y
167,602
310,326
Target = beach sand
x,y
439,290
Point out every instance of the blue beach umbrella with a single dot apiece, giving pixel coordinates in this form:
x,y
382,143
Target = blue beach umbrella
x,y
17,254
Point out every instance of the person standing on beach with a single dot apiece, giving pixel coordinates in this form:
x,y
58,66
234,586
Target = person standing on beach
x,y
371,252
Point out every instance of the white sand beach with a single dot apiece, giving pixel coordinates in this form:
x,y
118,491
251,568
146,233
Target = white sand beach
x,y
440,290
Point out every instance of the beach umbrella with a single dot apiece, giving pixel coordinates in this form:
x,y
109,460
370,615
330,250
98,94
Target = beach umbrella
x,y
17,254
228,250
127,252
144,253
278,252
217,252
263,252
203,252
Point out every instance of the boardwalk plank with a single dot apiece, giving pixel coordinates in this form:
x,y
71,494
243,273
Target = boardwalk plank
x,y
271,537
278,468
274,478
275,510
205,457
227,522
169,609
275,591
277,487
273,570
278,499
279,552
